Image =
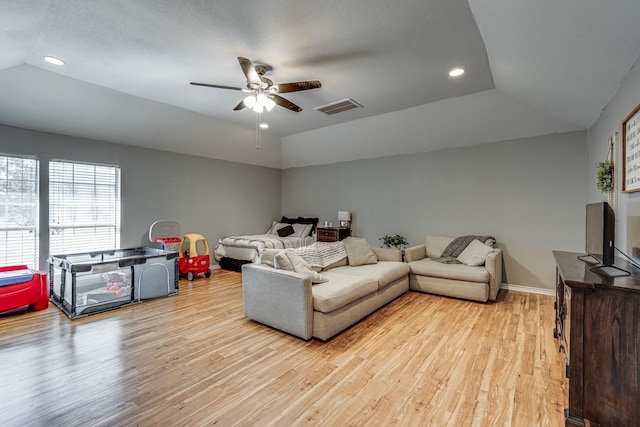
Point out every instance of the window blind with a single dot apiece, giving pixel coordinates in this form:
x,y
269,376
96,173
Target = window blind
x,y
84,207
18,211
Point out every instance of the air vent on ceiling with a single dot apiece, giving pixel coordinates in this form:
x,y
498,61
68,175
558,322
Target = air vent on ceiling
x,y
339,106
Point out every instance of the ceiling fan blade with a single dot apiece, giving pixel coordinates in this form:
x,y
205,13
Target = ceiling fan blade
x,y
249,71
240,106
298,86
286,104
216,86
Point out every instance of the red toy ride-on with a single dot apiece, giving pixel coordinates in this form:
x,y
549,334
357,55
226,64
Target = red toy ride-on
x,y
193,262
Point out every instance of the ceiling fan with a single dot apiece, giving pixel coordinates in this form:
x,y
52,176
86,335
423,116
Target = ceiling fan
x,y
264,94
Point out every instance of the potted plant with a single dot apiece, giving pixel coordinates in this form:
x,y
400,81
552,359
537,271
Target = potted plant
x,y
396,241
604,176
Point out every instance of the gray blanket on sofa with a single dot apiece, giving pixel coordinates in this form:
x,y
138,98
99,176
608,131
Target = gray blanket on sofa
x,y
455,248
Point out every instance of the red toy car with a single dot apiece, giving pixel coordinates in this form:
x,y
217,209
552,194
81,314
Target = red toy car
x,y
190,262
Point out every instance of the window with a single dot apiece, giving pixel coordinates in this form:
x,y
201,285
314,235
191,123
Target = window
x,y
84,207
18,211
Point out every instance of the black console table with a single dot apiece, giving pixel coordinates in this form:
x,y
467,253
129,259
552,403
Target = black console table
x,y
597,325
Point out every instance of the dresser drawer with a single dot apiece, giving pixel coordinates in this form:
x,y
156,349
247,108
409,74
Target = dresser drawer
x,y
331,234
327,235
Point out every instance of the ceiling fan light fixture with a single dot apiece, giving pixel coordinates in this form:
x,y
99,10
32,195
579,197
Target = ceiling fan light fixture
x,y
53,60
250,101
456,72
259,103
266,102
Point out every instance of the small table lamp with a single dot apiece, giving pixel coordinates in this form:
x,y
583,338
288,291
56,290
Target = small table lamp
x,y
345,218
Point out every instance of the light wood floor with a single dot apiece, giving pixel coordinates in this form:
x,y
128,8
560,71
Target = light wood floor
x,y
193,359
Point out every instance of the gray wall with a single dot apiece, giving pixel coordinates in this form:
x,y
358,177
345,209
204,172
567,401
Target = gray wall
x,y
212,197
528,193
610,121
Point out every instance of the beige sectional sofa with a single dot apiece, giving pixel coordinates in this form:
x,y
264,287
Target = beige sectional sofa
x,y
291,302
479,281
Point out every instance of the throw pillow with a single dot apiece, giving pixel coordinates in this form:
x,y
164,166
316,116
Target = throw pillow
x,y
281,261
359,251
302,267
285,231
475,253
267,256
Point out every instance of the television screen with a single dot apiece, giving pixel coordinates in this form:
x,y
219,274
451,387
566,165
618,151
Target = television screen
x,y
600,232
633,229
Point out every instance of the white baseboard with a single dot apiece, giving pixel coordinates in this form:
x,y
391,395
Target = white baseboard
x,y
528,289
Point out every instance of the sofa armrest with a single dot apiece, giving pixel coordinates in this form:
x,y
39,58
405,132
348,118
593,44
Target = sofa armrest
x,y
388,254
415,253
493,265
278,298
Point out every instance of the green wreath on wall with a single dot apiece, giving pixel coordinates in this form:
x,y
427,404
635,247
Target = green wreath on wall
x,y
604,177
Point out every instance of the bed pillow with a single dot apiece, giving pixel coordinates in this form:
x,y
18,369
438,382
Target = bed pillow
x,y
312,221
475,253
359,251
301,230
285,231
277,226
302,220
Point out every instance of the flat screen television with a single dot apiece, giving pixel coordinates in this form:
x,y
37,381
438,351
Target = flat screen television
x,y
600,233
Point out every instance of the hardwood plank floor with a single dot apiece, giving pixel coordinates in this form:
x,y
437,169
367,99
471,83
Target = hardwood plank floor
x,y
194,359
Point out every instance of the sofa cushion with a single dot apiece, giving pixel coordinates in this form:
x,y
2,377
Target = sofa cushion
x,y
436,245
340,290
475,253
383,273
359,251
428,267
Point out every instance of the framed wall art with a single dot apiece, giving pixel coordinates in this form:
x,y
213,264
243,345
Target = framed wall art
x,y
631,152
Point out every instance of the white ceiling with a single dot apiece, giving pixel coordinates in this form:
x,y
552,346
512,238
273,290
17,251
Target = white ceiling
x,y
129,64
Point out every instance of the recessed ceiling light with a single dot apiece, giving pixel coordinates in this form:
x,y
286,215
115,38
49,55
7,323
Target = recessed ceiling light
x,y
264,125
456,72
53,60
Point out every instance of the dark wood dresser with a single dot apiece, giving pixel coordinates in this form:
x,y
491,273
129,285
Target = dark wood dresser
x,y
598,328
332,234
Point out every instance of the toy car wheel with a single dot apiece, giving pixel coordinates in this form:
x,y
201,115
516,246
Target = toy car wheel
x,y
207,274
190,276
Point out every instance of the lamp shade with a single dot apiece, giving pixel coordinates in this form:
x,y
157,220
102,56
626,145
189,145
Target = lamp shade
x,y
344,216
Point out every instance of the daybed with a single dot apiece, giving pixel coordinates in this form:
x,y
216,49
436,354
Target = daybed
x,y
231,252
476,273
322,289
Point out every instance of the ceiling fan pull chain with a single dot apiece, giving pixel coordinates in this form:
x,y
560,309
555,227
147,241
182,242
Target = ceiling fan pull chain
x,y
258,131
